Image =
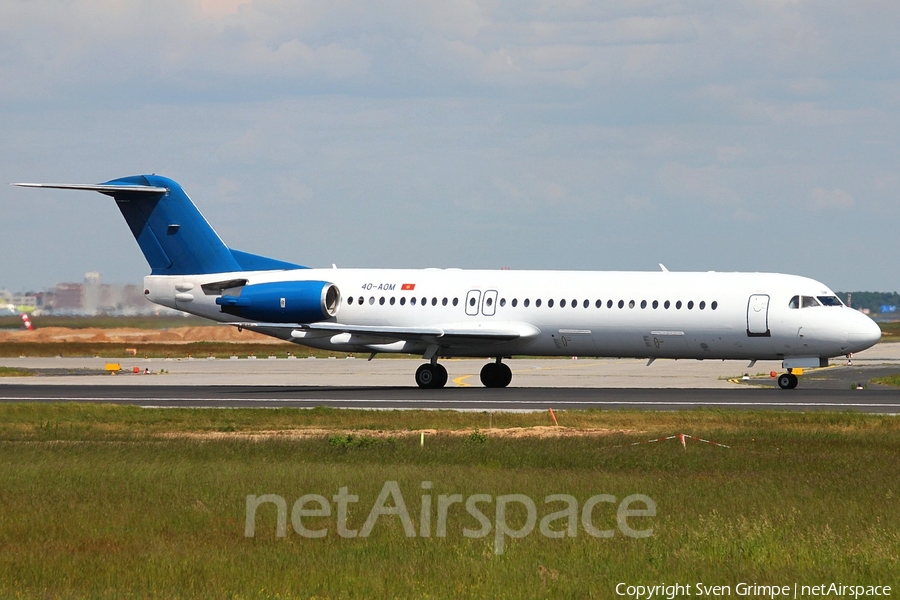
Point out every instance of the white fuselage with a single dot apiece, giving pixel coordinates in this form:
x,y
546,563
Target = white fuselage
x,y
563,313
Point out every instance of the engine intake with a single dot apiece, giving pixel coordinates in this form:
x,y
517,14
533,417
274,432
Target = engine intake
x,y
284,302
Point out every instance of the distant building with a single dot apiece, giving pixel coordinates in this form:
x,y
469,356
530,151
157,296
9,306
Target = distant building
x,y
90,293
67,298
91,297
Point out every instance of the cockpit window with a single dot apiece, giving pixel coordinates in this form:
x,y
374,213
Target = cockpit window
x,y
808,302
830,301
795,302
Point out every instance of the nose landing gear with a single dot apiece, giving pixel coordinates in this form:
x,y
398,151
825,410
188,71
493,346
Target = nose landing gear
x,y
787,381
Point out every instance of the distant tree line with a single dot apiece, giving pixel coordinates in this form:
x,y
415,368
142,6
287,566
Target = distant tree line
x,y
871,300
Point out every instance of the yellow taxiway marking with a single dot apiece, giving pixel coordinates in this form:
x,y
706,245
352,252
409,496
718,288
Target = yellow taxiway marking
x,y
459,381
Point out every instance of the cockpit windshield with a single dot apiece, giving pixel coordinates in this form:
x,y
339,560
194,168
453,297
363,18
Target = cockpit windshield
x,y
830,301
811,301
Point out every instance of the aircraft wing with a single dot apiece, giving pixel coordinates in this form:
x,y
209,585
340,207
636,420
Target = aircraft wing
x,y
436,334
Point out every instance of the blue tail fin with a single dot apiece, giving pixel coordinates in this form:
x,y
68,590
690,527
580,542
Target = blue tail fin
x,y
172,234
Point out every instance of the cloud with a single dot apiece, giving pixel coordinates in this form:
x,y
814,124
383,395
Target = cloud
x,y
421,120
820,199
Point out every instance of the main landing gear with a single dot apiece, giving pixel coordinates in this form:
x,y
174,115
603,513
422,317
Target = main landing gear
x,y
432,376
496,375
787,381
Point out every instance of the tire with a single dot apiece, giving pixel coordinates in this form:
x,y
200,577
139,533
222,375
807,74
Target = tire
x,y
489,375
504,374
431,377
426,376
440,376
495,375
787,381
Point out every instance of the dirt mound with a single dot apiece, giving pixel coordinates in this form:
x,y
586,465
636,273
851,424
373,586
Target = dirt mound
x,y
178,335
538,431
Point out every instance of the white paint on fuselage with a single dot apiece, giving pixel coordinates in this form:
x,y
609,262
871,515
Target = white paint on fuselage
x,y
634,330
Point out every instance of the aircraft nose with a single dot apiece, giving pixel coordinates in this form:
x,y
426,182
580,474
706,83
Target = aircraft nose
x,y
862,333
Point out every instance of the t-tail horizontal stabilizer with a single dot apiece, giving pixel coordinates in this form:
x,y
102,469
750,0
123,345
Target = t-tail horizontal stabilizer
x,y
172,234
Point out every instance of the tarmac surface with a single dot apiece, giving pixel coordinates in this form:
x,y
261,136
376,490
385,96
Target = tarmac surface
x,y
387,383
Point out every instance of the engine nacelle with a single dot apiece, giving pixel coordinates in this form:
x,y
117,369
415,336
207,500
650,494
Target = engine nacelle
x,y
284,302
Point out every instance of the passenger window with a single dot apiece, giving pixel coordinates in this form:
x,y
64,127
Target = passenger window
x,y
795,302
609,304
598,303
350,300
714,305
678,305
690,304
434,301
381,301
702,304
631,304
361,300
621,304
412,301
587,302
549,302
643,304
527,302
472,301
562,303
656,304
455,301
502,301
514,302
444,302
489,301
371,299
537,303
402,300
392,300
667,305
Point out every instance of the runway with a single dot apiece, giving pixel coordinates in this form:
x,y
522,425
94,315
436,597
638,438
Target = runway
x,y
480,399
538,384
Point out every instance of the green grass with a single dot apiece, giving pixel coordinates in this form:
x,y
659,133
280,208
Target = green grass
x,y
890,331
15,372
123,502
889,380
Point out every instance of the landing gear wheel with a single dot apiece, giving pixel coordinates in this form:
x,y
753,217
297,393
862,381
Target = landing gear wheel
x,y
431,377
440,375
496,375
787,381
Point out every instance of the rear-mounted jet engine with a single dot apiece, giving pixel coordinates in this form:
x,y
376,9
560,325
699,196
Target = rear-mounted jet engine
x,y
283,302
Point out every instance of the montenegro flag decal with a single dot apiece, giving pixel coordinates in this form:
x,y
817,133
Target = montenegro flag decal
x,y
408,286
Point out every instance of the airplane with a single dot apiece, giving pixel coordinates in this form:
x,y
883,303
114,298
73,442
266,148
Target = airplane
x,y
494,314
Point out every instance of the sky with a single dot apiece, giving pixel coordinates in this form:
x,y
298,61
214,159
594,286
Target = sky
x,y
530,134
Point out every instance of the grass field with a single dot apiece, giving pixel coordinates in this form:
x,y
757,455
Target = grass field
x,y
123,502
